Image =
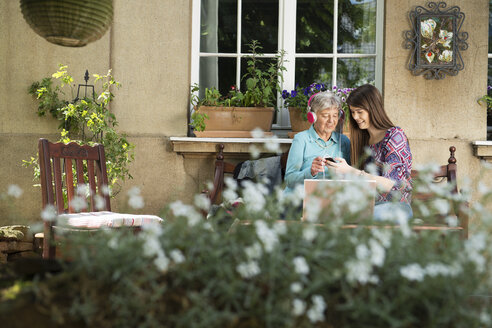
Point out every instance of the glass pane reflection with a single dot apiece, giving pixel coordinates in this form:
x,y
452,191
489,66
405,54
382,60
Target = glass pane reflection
x,y
353,72
260,22
218,26
314,26
357,26
217,72
309,70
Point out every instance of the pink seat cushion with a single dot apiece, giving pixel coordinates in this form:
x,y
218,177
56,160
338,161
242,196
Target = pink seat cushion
x,y
105,219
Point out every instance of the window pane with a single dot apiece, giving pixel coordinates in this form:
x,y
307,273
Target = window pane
x,y
218,26
355,71
260,22
217,72
314,26
309,70
356,26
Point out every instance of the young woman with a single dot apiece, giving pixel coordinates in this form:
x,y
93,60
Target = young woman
x,y
389,150
310,147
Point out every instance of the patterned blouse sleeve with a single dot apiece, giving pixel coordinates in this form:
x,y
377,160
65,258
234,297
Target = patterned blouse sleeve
x,y
398,160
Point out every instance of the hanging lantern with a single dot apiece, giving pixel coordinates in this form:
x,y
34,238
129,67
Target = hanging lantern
x,y
70,23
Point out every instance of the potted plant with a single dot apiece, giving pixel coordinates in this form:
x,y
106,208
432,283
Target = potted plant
x,y
85,121
297,102
487,99
240,111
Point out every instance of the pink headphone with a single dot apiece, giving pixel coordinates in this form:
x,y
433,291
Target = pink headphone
x,y
311,116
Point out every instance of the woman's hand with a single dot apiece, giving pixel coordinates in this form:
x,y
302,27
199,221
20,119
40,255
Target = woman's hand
x,y
341,166
317,166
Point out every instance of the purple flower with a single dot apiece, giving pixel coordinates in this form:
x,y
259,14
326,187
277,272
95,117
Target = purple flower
x,y
293,93
489,87
285,94
306,91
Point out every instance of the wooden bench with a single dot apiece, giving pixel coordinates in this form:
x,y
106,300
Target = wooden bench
x,y
447,172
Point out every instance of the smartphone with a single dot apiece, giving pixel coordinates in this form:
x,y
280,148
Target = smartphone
x,y
330,159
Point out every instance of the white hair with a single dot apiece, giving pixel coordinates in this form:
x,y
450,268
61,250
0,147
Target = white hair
x,y
323,100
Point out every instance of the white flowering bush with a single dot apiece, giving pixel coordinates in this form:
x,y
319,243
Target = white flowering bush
x,y
242,267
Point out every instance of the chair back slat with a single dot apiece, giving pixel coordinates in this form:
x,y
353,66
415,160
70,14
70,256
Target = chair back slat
x,y
69,182
92,183
79,166
58,184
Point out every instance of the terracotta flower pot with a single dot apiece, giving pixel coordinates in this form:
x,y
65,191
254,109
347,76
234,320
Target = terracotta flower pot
x,y
235,121
297,123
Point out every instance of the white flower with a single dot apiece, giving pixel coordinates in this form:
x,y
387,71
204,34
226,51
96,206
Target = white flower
x,y
296,287
152,229
313,209
230,183
78,203
309,233
248,269
441,205
14,191
177,256
427,28
257,133
358,271
298,307
100,202
445,38
83,190
362,252
106,190
254,251
254,151
113,243
202,202
48,213
253,196
413,272
267,236
152,247
135,200
188,211
452,220
161,262
300,265
273,145
316,312
377,253
446,56
280,227
383,235
229,195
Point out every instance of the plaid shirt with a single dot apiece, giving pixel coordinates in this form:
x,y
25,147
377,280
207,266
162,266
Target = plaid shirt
x,y
393,160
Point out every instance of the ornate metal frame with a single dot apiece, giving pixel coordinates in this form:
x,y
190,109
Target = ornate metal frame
x,y
435,50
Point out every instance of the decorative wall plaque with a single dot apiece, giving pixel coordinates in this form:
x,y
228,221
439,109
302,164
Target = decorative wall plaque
x,y
436,40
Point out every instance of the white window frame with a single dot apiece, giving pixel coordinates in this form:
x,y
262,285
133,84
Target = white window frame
x,y
287,41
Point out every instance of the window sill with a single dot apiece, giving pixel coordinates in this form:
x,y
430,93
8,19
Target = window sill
x,y
205,147
483,150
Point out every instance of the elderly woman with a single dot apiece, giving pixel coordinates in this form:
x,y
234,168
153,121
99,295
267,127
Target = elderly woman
x,y
310,147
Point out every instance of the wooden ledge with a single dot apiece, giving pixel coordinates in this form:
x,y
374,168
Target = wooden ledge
x,y
203,147
483,150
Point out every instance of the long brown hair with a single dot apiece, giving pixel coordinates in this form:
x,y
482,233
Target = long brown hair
x,y
369,98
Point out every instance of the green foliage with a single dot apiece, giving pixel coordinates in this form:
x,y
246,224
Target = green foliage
x,y
190,272
263,82
87,121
